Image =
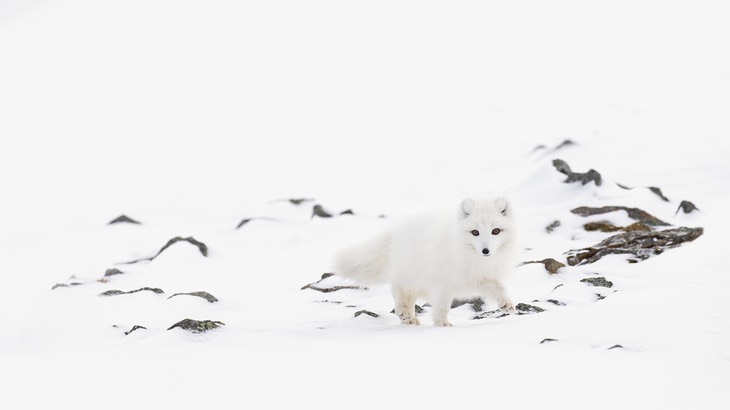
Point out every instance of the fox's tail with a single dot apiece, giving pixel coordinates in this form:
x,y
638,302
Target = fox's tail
x,y
364,263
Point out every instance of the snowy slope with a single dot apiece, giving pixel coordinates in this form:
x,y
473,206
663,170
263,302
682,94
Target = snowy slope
x,y
192,117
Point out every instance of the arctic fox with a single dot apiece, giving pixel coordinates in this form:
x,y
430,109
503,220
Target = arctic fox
x,y
439,256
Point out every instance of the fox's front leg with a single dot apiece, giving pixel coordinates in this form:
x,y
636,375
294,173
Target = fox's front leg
x,y
441,308
497,291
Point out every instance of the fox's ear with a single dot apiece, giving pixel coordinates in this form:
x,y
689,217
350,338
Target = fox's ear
x,y
503,205
467,207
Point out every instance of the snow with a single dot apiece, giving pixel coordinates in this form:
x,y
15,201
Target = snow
x,y
191,117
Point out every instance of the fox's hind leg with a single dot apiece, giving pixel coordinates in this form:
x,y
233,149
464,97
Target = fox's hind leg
x,y
405,306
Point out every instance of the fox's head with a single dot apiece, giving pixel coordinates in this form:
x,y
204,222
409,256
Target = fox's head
x,y
486,225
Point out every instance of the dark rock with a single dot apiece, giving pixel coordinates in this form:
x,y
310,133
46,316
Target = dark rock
x,y
123,219
524,308
331,288
197,326
115,292
495,314
64,285
366,312
555,302
136,327
601,226
203,248
520,309
598,281
565,143
624,186
477,304
205,295
659,193
637,226
615,347
686,207
317,210
258,218
583,178
634,213
550,228
551,265
641,244
112,272
299,201
608,227
347,212
548,340
243,222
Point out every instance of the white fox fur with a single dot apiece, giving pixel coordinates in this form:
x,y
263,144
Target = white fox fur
x,y
439,256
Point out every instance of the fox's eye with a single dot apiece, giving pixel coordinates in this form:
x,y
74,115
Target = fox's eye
x,y
475,232
496,231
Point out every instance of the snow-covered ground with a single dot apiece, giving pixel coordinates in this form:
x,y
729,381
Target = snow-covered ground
x,y
193,116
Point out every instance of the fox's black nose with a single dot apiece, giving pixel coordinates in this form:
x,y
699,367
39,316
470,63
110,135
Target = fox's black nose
x,y
485,251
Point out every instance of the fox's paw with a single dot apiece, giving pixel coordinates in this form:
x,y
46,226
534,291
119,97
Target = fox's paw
x,y
508,307
443,323
410,321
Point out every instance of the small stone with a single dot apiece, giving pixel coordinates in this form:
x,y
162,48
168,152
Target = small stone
x,y
202,294
686,207
524,308
548,340
123,219
331,288
598,281
583,178
551,265
136,327
247,220
659,193
366,312
565,143
601,226
197,326
113,271
550,228
115,292
615,347
637,226
317,210
203,248
243,222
